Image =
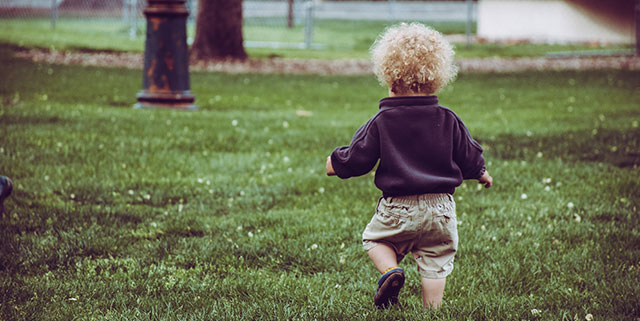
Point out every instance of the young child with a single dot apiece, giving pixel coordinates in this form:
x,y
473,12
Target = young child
x,y
425,152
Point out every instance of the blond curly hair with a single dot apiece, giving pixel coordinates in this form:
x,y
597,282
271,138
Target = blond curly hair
x,y
413,59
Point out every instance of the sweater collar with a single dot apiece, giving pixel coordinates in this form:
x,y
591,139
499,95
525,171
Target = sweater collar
x,y
408,101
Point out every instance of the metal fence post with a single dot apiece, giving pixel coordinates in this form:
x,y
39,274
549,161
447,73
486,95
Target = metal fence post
x,y
133,18
308,28
165,79
469,21
54,13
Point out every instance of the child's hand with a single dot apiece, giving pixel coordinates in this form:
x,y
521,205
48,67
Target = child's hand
x,y
486,179
330,171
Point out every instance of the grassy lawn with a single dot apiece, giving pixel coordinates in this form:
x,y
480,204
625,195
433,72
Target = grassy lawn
x,y
226,214
341,39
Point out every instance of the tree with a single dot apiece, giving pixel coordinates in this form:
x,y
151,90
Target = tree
x,y
219,30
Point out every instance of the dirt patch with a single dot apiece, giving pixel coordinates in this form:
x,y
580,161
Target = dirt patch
x,y
330,67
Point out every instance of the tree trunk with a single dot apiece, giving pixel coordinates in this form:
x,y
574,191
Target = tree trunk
x,y
219,30
290,14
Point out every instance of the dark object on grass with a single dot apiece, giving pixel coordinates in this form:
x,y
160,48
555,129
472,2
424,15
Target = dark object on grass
x,y
6,186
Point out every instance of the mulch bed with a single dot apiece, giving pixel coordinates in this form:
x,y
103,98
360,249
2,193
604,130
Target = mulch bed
x,y
330,67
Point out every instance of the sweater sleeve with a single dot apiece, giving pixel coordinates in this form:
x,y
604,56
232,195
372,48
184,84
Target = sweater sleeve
x,y
360,156
467,153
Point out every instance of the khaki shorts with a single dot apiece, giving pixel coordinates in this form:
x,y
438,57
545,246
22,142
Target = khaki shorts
x,y
424,225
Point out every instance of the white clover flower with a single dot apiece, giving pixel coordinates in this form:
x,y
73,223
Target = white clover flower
x,y
180,208
131,192
314,246
285,124
72,196
577,217
588,317
147,196
250,234
286,159
234,122
239,228
570,205
546,180
547,188
535,312
321,190
523,196
200,180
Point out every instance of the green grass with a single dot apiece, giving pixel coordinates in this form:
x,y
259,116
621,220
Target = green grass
x,y
226,214
341,39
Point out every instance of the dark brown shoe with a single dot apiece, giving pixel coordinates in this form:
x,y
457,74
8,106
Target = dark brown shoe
x,y
389,286
6,186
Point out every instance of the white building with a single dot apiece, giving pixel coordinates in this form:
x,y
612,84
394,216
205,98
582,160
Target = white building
x,y
557,21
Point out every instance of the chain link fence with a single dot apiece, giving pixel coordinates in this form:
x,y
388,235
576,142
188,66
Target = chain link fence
x,y
267,23
128,14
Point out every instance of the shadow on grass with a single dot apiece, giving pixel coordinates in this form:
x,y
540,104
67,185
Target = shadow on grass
x,y
617,147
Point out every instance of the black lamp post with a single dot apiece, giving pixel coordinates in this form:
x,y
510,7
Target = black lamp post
x,y
165,79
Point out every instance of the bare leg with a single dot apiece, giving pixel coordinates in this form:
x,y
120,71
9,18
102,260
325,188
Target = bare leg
x,y
432,292
383,257
392,280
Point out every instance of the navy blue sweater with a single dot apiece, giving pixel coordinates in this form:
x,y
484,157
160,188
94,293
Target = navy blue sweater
x,y
422,147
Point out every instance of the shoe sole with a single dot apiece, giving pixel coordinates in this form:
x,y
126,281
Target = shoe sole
x,y
6,191
388,292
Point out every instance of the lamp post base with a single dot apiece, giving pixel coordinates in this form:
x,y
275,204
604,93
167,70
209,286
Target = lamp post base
x,y
183,100
165,78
